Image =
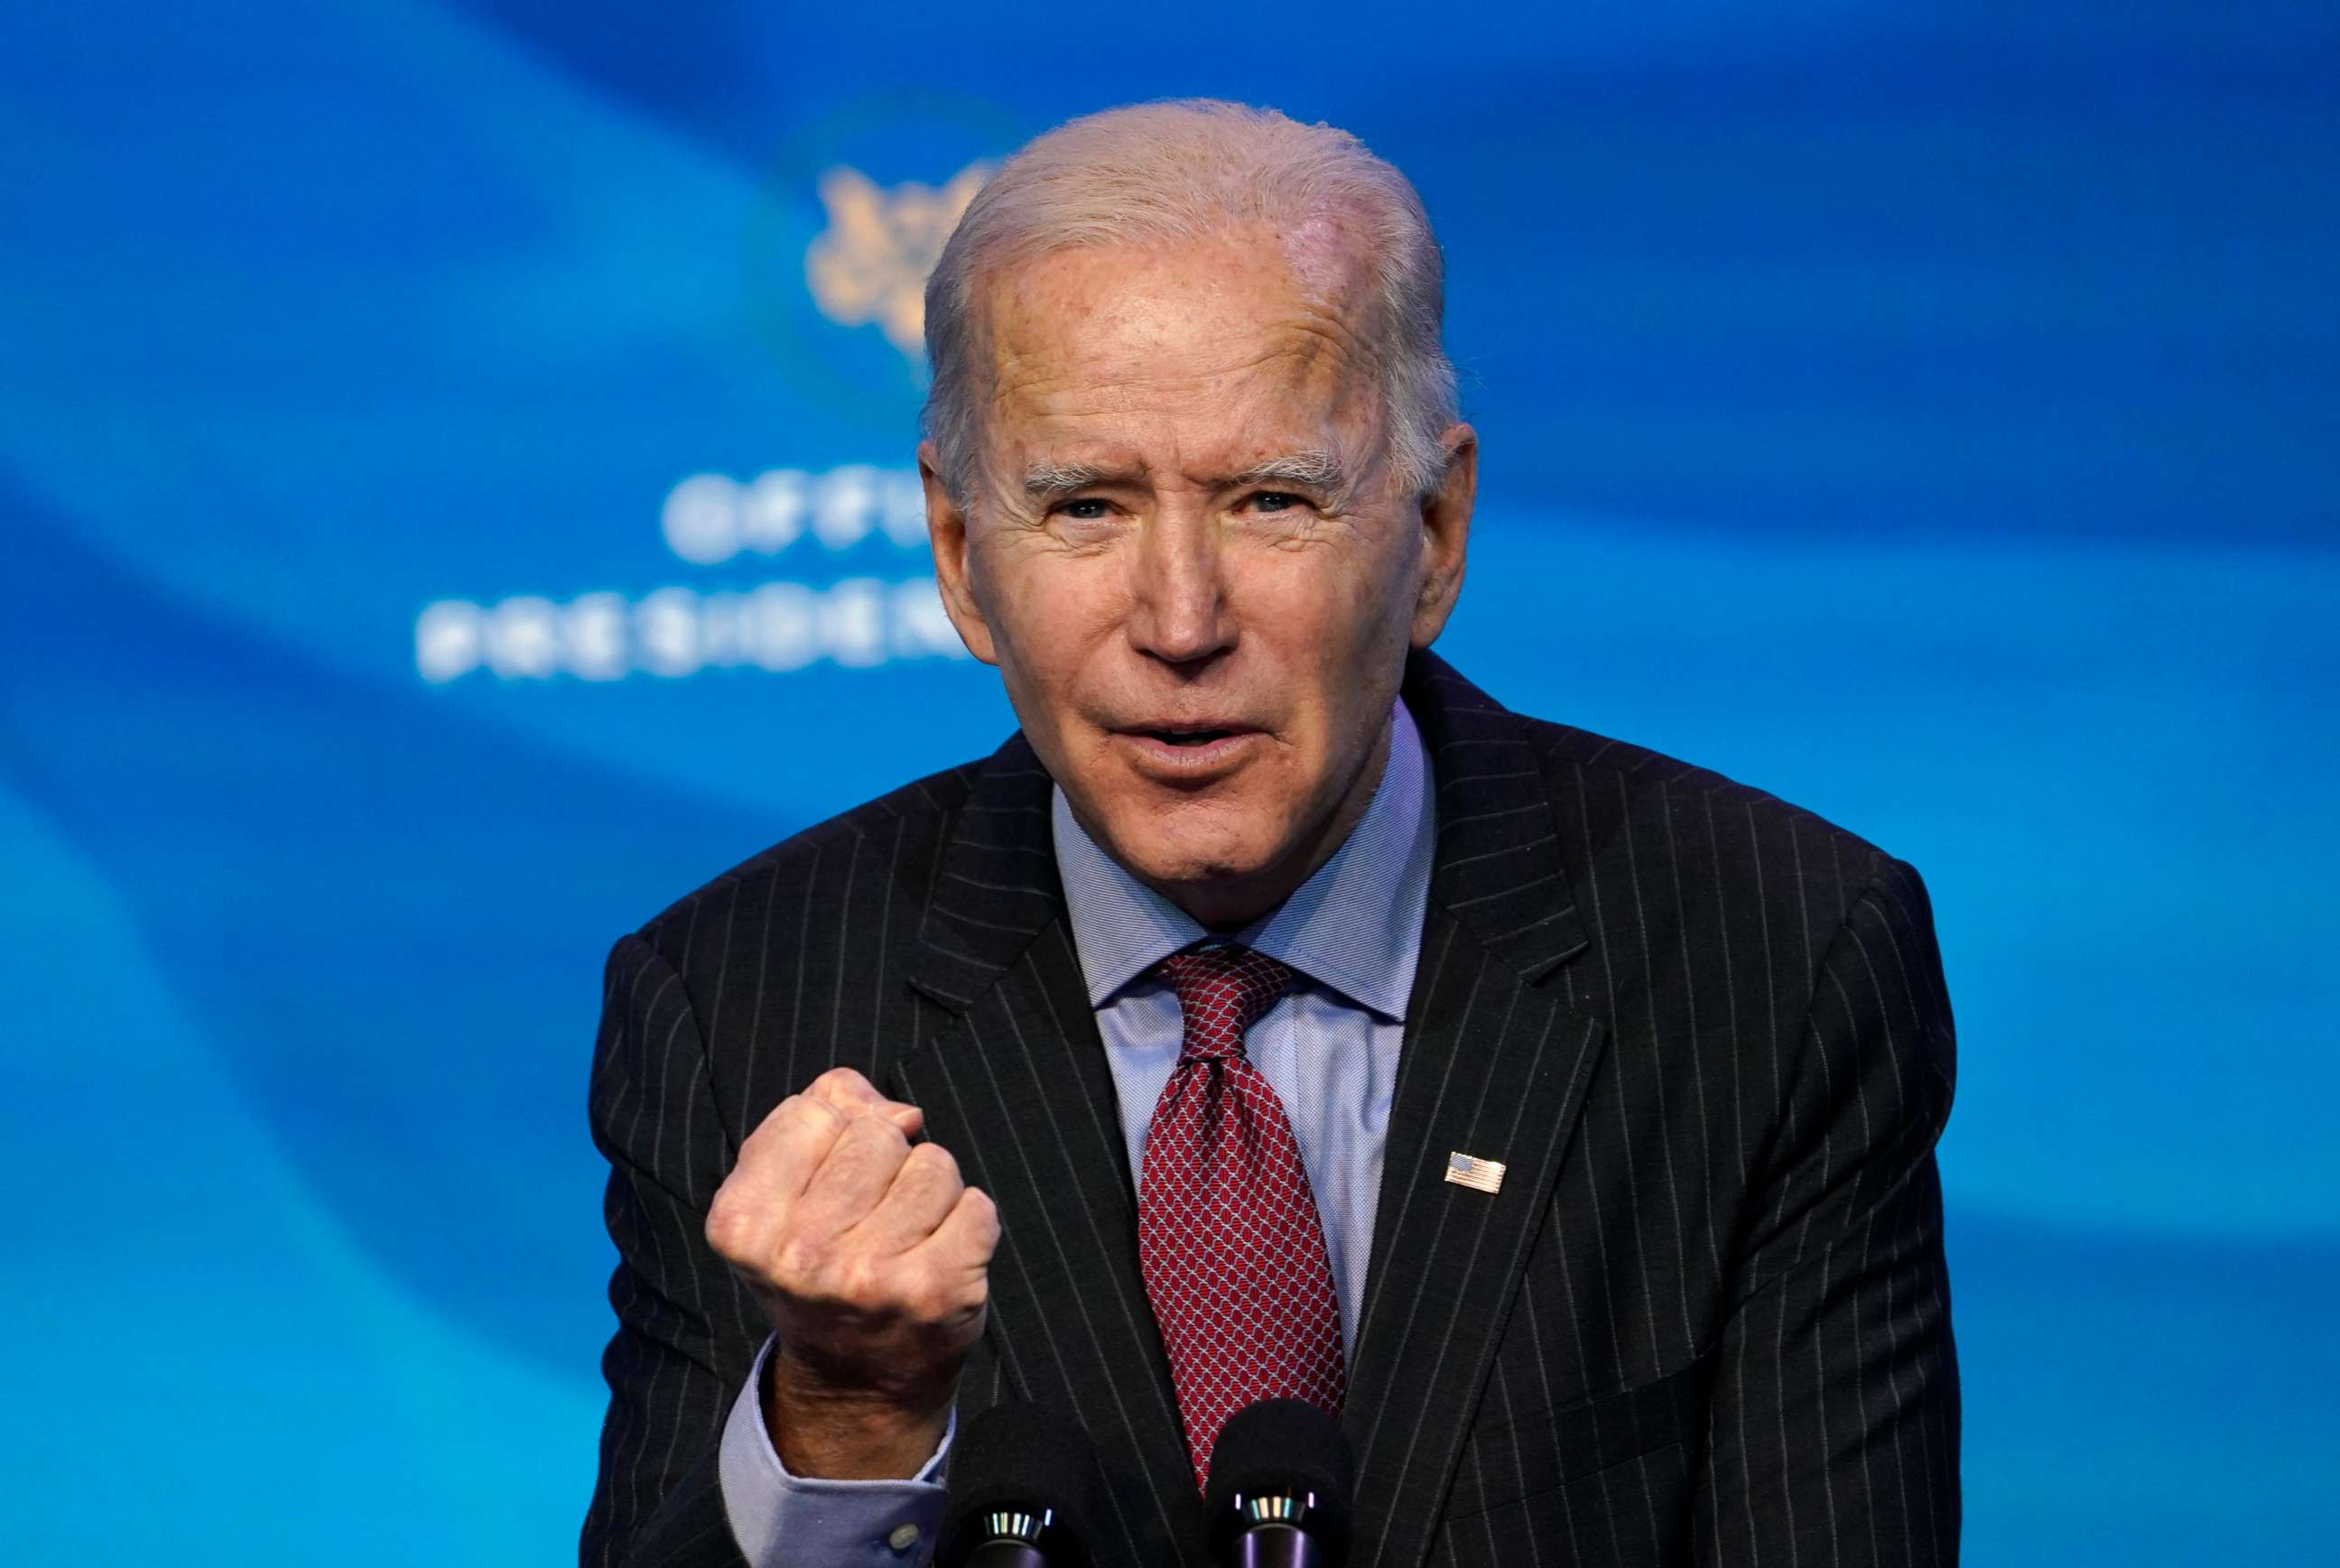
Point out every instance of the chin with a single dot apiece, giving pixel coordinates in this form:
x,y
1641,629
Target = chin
x,y
1193,845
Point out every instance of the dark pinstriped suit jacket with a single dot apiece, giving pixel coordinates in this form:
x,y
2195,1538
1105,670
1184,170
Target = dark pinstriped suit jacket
x,y
1705,1319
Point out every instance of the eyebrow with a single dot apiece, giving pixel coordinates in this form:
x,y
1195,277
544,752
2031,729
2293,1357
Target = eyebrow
x,y
1045,481
1319,470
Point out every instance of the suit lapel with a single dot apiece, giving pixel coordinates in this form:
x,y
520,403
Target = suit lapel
x,y
1017,1088
1492,1068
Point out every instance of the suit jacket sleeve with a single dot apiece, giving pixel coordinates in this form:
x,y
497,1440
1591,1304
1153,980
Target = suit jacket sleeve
x,y
1834,1428
686,1328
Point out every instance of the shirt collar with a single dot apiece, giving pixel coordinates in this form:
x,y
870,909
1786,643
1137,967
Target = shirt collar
x,y
1355,925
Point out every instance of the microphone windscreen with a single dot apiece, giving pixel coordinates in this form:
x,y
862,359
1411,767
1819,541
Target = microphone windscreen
x,y
1287,1447
1023,1458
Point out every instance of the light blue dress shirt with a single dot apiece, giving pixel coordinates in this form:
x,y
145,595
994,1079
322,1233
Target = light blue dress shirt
x,y
1329,1048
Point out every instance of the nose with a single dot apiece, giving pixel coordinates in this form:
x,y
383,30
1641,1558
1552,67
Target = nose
x,y
1178,602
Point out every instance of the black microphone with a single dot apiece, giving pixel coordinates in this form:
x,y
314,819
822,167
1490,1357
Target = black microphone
x,y
1282,1478
1023,1487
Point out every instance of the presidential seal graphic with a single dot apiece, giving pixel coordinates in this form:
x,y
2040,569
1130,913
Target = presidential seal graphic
x,y
870,264
853,213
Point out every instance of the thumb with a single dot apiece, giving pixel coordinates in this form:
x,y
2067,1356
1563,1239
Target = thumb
x,y
848,1092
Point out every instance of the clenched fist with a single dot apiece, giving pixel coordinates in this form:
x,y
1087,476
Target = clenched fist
x,y
870,1257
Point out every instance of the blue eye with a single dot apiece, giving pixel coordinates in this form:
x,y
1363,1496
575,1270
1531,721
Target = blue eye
x,y
1094,512
1274,501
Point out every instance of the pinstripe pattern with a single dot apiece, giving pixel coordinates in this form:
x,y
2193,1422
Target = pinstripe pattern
x,y
1705,1320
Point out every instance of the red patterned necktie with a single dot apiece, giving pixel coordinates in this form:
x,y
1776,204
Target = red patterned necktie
x,y
1227,1233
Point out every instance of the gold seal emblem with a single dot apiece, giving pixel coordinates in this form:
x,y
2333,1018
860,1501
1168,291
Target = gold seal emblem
x,y
870,264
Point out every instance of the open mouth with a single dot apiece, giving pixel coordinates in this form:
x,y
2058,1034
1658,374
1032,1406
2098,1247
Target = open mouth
x,y
1186,736
1189,753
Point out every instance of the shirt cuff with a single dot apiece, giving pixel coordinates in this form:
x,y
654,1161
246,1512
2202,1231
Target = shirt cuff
x,y
777,1518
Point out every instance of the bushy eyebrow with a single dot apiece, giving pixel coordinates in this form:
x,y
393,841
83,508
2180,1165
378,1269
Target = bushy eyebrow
x,y
1317,470
1046,481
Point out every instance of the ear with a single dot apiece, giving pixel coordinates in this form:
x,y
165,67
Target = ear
x,y
1446,532
946,533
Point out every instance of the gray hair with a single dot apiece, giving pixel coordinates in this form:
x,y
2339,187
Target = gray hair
x,y
1181,170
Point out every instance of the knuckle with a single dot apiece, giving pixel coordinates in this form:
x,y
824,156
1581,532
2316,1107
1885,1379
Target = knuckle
x,y
881,1137
799,1261
928,1297
971,1297
806,1113
861,1283
726,1224
839,1079
938,1161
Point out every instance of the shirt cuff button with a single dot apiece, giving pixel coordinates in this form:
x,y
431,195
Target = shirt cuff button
x,y
904,1537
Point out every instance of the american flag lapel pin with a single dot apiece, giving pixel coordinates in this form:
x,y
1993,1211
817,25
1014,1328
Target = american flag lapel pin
x,y
1470,1171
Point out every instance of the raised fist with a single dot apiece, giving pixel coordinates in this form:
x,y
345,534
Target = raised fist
x,y
870,1259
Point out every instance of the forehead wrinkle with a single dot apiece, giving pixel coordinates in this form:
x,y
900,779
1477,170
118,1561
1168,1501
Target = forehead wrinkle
x,y
1242,426
1037,342
1038,375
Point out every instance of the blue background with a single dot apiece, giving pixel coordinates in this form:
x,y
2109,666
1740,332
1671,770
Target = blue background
x,y
1925,413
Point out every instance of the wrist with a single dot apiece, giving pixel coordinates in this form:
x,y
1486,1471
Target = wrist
x,y
826,1428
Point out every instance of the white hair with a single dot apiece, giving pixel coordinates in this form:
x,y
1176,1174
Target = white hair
x,y
1182,170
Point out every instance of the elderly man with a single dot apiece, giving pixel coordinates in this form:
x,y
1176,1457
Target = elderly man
x,y
1274,1014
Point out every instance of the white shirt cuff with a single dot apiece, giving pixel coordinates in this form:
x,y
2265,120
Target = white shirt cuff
x,y
779,1519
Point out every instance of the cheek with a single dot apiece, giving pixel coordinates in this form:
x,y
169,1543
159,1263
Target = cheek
x,y
1326,615
1048,614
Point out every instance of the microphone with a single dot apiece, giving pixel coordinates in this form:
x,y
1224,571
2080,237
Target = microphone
x,y
1023,1487
1282,1479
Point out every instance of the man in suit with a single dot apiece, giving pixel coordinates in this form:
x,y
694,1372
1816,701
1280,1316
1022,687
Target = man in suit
x,y
1274,1014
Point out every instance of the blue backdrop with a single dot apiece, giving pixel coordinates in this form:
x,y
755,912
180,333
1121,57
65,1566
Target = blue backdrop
x,y
454,468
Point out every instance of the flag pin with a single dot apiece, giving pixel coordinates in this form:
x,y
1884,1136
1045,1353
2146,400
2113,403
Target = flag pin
x,y
1470,1171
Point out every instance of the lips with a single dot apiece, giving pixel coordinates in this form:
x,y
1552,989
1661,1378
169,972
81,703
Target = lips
x,y
1186,751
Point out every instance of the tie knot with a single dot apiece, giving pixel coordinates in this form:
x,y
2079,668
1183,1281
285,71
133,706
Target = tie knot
x,y
1221,992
